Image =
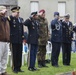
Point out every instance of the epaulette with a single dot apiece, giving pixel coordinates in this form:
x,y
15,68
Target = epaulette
x,y
9,18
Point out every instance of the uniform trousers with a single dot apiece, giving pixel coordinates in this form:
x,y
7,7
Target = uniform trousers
x,y
17,56
66,51
32,55
3,56
41,53
55,53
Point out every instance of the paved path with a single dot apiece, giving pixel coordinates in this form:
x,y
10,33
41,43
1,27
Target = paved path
x,y
68,73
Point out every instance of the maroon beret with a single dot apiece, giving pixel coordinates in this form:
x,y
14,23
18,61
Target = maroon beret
x,y
43,11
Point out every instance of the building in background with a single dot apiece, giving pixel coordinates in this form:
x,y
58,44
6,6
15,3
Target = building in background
x,y
9,4
50,6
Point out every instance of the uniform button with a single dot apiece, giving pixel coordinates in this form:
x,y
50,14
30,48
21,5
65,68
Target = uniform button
x,y
63,26
33,27
22,36
55,35
14,25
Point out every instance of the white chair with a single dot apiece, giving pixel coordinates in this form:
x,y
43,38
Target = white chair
x,y
48,49
24,54
23,58
9,60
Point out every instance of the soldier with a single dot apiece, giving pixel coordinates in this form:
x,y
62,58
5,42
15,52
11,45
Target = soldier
x,y
56,39
4,39
67,36
32,40
43,38
16,37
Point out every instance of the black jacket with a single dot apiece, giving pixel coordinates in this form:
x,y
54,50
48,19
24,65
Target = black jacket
x,y
67,32
16,29
32,31
56,28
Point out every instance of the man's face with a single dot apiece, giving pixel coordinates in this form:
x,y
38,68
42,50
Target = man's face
x,y
36,17
43,15
57,16
16,14
66,19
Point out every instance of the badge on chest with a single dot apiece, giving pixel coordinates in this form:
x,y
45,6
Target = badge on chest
x,y
14,23
57,26
33,25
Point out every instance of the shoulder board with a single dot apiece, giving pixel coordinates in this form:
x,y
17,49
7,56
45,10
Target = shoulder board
x,y
9,18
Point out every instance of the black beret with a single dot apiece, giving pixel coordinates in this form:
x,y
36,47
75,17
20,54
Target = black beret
x,y
34,13
15,9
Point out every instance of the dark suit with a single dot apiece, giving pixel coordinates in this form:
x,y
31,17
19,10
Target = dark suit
x,y
67,36
16,37
32,40
56,40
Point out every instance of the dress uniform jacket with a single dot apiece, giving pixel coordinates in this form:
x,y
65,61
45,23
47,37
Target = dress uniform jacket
x,y
56,31
33,31
67,33
16,29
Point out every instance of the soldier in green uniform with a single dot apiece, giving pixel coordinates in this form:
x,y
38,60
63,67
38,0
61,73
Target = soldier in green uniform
x,y
43,37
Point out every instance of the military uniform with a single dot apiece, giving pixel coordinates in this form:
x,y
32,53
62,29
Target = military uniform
x,y
32,40
67,36
56,36
42,41
16,37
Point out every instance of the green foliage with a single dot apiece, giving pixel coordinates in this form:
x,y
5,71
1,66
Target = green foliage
x,y
50,70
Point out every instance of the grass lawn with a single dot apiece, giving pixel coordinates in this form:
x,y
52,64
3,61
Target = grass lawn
x,y
50,70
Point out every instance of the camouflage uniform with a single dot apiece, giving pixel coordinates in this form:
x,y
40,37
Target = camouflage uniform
x,y
43,37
